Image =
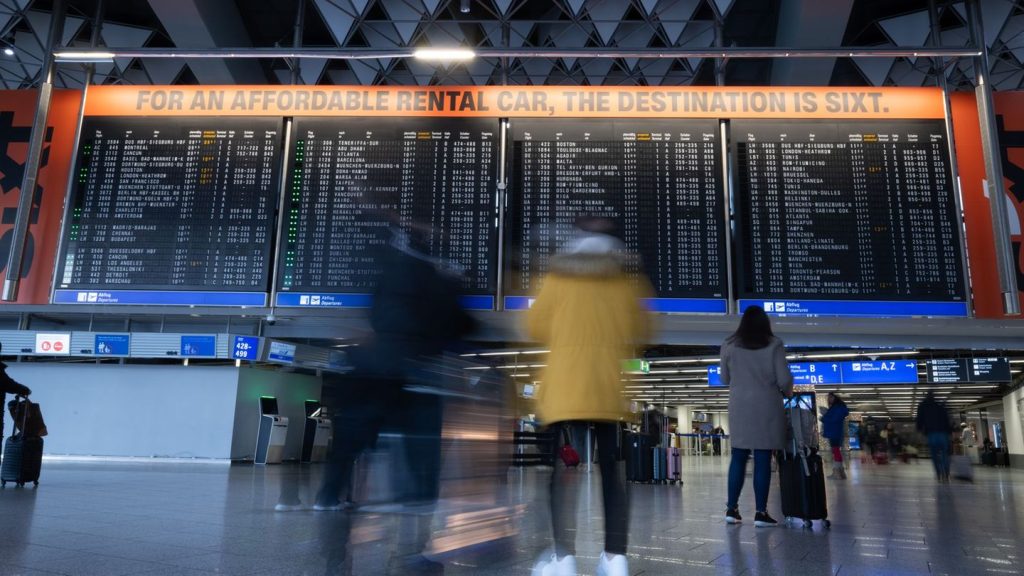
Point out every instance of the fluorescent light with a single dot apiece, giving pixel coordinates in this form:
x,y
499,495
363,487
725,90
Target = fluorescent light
x,y
444,54
83,56
8,51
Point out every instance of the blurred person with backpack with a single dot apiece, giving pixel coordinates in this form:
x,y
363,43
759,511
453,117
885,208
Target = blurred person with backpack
x,y
833,428
8,386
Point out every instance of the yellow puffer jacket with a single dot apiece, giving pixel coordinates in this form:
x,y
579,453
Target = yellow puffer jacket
x,y
589,314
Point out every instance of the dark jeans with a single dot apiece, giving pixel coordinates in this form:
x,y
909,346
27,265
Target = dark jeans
x,y
613,489
762,477
938,445
382,404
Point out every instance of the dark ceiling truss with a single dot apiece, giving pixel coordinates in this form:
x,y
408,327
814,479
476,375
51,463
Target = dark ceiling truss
x,y
557,39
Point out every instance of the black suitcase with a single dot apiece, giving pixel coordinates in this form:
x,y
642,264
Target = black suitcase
x,y
660,459
23,456
639,466
802,478
802,485
22,461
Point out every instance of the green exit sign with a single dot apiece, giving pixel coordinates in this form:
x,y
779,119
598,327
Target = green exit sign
x,y
636,365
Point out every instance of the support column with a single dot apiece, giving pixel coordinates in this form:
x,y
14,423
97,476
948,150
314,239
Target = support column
x,y
1005,262
34,157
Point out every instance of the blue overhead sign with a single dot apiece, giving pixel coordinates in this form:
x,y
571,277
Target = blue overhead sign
x,y
205,346
863,308
245,348
816,373
858,372
880,372
112,344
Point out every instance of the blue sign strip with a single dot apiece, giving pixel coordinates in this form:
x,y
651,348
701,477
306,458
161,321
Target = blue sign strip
x,y
663,305
245,348
204,346
112,344
856,372
855,308
328,300
159,298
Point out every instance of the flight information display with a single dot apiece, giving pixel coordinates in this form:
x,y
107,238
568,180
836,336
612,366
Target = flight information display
x,y
658,180
352,179
171,211
847,218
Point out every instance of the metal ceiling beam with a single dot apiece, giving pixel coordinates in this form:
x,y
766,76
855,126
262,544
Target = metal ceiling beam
x,y
809,23
201,25
370,53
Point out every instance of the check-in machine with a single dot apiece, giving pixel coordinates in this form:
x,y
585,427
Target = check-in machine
x,y
317,434
272,434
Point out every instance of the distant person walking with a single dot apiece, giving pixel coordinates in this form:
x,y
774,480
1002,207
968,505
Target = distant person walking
x,y
833,428
933,421
590,315
754,367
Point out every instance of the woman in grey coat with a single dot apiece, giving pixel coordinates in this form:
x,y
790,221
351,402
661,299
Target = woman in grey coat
x,y
754,368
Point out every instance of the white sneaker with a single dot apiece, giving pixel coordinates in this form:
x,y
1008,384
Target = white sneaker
x,y
552,566
612,565
288,507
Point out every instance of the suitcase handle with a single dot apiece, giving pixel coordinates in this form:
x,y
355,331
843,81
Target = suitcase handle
x,y
22,403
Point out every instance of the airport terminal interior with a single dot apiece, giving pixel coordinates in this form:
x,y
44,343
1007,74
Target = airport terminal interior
x,y
512,287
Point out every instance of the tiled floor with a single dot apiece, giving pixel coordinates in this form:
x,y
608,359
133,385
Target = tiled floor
x,y
163,518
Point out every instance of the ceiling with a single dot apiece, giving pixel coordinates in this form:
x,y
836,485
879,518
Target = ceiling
x,y
549,24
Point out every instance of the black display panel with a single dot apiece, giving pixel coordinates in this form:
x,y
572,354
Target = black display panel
x,y
847,218
659,180
954,370
348,175
168,211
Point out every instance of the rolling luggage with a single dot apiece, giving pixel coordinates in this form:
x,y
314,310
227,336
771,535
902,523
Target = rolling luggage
x,y
802,478
639,467
660,458
675,466
960,467
23,457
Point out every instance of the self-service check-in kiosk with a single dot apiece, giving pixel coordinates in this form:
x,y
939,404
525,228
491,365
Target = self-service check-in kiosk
x,y
272,433
317,434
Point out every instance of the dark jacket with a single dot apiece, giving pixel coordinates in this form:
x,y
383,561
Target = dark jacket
x,y
415,313
8,385
832,422
933,417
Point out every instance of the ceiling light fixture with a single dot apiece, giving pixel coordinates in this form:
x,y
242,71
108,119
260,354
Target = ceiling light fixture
x,y
78,56
444,54
8,51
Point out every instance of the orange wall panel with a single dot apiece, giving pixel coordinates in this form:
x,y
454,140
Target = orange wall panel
x,y
17,109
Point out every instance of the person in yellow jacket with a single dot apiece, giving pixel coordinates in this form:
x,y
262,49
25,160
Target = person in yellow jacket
x,y
590,315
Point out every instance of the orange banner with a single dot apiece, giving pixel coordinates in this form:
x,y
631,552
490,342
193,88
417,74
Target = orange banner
x,y
518,102
17,111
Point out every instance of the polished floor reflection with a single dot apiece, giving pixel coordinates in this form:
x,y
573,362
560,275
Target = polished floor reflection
x,y
170,518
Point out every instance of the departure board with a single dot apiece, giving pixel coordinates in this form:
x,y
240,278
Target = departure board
x,y
847,218
659,181
352,178
171,211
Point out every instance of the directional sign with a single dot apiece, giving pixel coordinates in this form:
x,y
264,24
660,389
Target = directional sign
x,y
816,373
880,372
245,348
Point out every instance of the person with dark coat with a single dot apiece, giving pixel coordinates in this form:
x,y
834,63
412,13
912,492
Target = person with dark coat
x,y
415,316
833,428
933,420
8,386
754,368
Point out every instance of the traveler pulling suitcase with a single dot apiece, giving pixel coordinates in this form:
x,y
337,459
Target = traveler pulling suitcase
x,y
802,478
23,455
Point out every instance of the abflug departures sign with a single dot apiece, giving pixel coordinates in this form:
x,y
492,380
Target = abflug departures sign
x,y
174,198
847,218
659,181
350,176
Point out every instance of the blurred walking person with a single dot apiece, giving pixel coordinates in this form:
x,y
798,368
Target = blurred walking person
x,y
8,386
833,428
933,420
415,315
590,315
754,367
